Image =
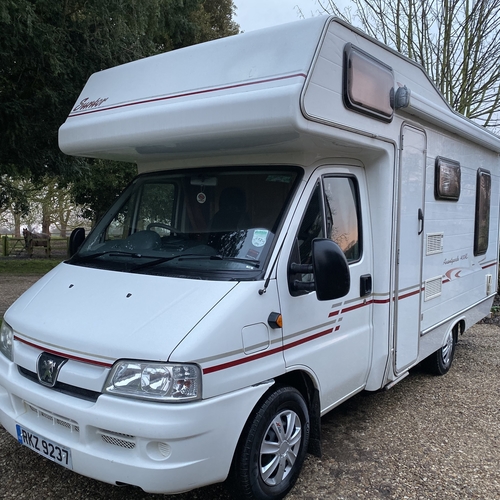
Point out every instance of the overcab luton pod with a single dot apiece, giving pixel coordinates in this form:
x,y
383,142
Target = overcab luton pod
x,y
310,220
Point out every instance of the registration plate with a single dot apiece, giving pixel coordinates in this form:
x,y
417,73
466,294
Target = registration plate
x,y
45,447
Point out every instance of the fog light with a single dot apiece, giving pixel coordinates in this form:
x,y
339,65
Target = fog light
x,y
158,450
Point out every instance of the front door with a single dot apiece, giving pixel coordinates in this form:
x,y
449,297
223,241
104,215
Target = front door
x,y
332,339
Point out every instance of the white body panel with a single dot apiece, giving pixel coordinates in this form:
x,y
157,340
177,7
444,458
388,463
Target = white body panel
x,y
271,98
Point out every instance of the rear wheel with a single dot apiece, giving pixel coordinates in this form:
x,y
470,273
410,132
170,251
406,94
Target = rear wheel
x,y
440,362
272,447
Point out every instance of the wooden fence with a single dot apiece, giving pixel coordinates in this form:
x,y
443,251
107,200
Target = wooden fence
x,y
48,247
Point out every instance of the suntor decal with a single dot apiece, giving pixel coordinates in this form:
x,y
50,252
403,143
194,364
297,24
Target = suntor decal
x,y
86,103
84,111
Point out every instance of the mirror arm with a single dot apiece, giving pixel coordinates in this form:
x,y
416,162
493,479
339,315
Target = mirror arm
x,y
301,268
303,285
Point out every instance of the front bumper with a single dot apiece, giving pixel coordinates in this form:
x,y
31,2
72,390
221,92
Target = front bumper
x,y
159,447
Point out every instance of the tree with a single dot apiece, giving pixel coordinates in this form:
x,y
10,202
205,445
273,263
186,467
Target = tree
x,y
48,49
215,20
456,41
14,196
96,189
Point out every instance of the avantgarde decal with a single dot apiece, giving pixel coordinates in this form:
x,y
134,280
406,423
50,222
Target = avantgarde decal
x,y
88,104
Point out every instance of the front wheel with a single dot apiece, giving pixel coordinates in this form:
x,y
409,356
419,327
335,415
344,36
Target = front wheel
x,y
272,447
440,362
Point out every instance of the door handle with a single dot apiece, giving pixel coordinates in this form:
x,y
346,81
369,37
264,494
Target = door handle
x,y
365,285
420,221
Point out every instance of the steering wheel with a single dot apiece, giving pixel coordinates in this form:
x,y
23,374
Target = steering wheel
x,y
164,226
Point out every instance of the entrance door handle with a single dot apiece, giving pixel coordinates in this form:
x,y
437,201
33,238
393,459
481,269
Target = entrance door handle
x,y
420,221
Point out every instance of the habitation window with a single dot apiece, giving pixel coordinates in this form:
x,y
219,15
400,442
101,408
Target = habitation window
x,y
368,84
482,219
447,179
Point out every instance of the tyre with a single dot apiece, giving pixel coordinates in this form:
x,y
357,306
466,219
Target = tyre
x,y
440,362
272,447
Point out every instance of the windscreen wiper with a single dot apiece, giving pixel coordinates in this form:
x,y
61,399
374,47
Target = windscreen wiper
x,y
110,253
250,262
193,256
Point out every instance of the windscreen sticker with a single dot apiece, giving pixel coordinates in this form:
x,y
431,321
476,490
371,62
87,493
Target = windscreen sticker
x,y
259,237
285,179
252,254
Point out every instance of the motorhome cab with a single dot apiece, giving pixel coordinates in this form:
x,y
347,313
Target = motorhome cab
x,y
310,220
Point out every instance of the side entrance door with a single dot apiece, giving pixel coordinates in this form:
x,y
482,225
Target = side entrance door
x,y
332,339
409,246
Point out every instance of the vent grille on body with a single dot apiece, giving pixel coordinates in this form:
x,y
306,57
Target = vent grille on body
x,y
433,288
434,243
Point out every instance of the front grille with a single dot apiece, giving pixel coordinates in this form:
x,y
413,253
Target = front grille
x,y
67,389
55,419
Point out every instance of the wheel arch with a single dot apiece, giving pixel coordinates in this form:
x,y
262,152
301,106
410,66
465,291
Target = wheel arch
x,y
306,385
458,329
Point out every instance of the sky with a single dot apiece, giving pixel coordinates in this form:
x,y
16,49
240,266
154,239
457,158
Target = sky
x,y
255,14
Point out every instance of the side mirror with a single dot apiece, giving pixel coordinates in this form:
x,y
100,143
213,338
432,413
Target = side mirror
x,y
331,270
332,278
76,239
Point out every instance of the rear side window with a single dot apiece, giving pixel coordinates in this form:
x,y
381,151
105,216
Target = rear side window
x,y
482,218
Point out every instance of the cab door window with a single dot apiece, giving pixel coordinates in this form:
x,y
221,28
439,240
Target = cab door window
x,y
311,227
332,212
342,215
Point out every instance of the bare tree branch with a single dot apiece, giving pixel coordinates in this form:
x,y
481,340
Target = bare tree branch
x,y
456,41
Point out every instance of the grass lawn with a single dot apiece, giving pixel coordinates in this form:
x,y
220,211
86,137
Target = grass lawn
x,y
27,266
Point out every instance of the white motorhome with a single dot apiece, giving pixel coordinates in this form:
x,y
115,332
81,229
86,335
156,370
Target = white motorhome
x,y
310,220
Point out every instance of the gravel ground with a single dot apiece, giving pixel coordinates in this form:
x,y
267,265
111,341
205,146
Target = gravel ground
x,y
427,438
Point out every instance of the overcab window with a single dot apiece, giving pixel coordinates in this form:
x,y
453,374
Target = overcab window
x,y
368,84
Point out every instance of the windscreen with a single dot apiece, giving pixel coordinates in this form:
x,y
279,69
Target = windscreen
x,y
209,224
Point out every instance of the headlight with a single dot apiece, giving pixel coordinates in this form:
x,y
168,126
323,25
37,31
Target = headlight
x,y
6,340
155,381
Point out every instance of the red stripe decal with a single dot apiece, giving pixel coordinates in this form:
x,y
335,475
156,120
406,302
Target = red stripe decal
x,y
64,355
312,337
489,265
241,361
317,335
187,94
381,301
409,294
264,354
357,306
